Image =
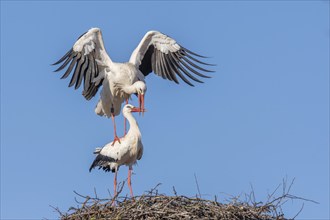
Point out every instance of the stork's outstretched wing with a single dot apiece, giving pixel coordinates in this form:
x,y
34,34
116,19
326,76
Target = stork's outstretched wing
x,y
88,56
162,55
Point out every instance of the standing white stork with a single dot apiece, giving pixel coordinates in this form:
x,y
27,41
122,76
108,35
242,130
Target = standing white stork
x,y
113,155
156,53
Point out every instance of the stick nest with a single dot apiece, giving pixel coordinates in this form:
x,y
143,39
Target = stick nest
x,y
153,205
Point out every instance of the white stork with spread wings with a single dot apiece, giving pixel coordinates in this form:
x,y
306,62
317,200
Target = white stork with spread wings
x,y
156,53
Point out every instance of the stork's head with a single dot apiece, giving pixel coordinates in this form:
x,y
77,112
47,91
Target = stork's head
x,y
140,90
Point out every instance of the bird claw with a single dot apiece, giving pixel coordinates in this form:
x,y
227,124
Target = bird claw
x,y
116,139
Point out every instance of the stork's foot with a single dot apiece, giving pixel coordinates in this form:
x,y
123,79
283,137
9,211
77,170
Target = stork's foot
x,y
116,139
113,204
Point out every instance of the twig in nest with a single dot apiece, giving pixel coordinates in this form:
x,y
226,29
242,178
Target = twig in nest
x,y
199,192
174,191
57,210
154,189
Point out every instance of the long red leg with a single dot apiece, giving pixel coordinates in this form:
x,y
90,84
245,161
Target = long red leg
x,y
115,184
129,181
115,187
115,130
125,128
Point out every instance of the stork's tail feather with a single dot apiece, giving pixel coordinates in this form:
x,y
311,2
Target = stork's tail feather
x,y
101,161
97,159
97,150
98,109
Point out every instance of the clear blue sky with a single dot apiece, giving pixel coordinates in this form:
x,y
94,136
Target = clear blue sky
x,y
264,115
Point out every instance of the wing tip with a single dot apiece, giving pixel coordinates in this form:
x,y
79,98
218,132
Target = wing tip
x,y
193,53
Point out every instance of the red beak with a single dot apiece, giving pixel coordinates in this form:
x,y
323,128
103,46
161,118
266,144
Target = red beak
x,y
141,103
135,109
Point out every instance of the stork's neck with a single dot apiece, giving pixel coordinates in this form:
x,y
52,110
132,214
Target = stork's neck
x,y
133,125
129,89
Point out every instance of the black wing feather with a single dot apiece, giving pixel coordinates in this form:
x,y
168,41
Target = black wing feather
x,y
189,51
162,67
194,65
180,63
85,69
189,68
64,64
170,68
77,71
165,69
88,75
146,64
81,76
102,161
68,71
64,57
194,59
179,72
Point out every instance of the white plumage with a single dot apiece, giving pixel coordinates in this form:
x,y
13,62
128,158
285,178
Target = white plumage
x,y
156,53
113,155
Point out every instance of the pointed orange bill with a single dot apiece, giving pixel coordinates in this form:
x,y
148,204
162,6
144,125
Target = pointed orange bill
x,y
135,109
141,103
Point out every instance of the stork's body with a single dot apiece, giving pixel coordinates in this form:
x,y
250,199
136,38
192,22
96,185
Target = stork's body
x,y
122,81
156,53
127,152
118,85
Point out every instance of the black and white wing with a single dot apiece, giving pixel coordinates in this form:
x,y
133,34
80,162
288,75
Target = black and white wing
x,y
88,58
162,55
102,161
